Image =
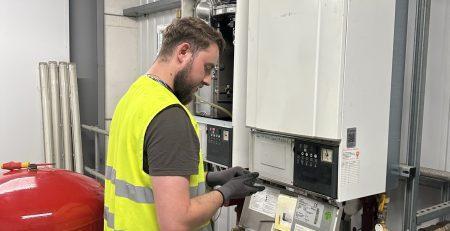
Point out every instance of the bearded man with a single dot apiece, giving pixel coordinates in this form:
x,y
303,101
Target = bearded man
x,y
155,177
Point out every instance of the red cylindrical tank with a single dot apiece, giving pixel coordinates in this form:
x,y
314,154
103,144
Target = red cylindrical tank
x,y
50,199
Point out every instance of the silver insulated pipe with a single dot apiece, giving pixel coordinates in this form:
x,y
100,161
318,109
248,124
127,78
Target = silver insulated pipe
x,y
46,111
65,115
56,113
75,112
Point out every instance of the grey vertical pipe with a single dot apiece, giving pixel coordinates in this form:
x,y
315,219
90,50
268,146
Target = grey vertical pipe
x,y
56,113
46,111
97,156
416,112
397,86
101,79
75,112
65,115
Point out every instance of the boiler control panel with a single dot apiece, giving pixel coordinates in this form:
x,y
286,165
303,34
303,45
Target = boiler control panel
x,y
316,167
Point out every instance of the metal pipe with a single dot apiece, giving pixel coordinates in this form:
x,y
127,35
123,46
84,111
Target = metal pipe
x,y
96,155
94,173
101,106
65,114
435,174
75,114
202,100
416,112
56,112
46,112
95,129
397,93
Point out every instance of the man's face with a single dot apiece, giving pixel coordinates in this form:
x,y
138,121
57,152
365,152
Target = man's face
x,y
195,74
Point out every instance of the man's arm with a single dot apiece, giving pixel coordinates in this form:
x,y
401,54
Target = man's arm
x,y
174,207
176,211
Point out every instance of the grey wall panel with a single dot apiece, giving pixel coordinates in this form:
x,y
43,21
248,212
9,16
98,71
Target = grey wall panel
x,y
86,50
83,37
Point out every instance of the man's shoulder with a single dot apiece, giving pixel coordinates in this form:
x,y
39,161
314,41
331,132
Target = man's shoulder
x,y
172,120
173,113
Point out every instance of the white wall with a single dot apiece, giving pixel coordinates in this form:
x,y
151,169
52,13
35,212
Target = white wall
x,y
435,137
30,32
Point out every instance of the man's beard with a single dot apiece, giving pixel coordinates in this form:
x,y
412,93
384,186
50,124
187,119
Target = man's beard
x,y
183,89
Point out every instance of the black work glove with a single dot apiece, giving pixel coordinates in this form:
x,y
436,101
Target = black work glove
x,y
240,187
222,177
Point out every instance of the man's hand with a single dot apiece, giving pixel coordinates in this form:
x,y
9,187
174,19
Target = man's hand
x,y
240,187
222,177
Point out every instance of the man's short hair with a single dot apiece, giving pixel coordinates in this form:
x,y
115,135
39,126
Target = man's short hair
x,y
191,30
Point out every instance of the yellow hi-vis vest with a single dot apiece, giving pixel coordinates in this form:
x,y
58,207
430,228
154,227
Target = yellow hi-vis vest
x,y
129,202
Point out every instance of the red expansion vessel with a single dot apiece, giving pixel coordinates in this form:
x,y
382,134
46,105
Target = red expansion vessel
x,y
50,199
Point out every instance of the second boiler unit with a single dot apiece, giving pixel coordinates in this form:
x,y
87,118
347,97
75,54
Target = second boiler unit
x,y
214,103
221,16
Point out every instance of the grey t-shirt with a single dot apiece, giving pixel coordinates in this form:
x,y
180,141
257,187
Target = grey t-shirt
x,y
171,145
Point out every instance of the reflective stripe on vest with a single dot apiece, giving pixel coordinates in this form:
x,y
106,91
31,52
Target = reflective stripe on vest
x,y
141,194
136,193
109,217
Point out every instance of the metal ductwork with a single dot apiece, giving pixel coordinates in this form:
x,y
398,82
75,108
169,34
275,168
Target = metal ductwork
x,y
61,115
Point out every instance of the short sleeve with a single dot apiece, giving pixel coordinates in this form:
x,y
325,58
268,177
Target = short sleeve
x,y
171,145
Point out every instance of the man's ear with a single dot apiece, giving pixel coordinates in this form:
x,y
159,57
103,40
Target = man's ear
x,y
183,53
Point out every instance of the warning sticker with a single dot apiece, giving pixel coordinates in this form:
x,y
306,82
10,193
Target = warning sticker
x,y
350,166
309,211
265,202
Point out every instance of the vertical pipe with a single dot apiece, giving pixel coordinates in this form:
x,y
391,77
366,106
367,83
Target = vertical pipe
x,y
416,112
241,133
397,86
187,8
65,111
101,109
46,112
56,112
75,112
97,160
